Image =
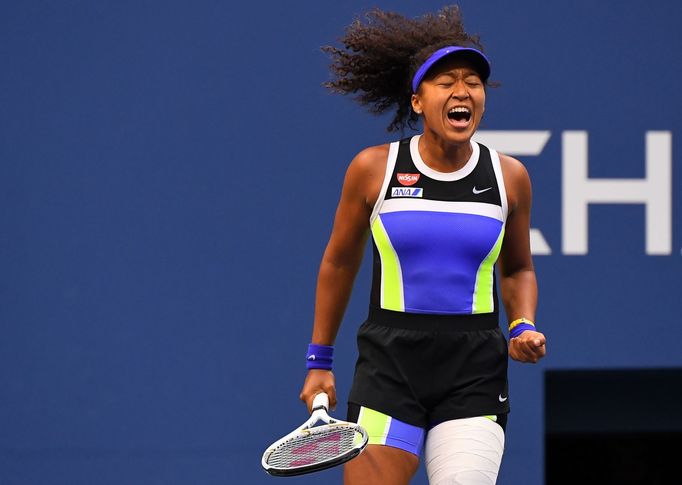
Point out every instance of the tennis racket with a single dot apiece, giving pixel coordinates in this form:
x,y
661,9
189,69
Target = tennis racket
x,y
319,443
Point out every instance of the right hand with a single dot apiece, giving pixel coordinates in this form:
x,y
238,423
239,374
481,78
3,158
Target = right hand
x,y
317,381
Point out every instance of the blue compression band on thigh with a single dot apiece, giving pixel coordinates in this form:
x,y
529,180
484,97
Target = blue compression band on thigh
x,y
386,430
320,356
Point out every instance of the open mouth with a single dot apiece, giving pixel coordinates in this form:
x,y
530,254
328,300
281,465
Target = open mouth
x,y
460,114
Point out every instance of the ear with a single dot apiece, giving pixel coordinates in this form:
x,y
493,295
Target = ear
x,y
416,104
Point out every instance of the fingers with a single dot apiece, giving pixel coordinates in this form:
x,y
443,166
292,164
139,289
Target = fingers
x,y
539,340
520,352
332,399
318,381
309,398
528,347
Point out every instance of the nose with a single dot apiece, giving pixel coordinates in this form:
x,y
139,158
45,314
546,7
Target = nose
x,y
459,90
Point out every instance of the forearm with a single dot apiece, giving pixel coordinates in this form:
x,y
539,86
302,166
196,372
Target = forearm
x,y
334,288
520,294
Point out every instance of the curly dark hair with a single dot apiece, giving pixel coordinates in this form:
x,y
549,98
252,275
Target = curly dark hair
x,y
380,56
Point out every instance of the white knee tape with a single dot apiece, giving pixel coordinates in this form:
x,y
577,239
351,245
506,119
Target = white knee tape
x,y
464,452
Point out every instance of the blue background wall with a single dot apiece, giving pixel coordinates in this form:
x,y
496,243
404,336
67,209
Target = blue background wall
x,y
168,176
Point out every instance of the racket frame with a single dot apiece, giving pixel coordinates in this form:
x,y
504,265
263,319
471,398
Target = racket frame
x,y
319,414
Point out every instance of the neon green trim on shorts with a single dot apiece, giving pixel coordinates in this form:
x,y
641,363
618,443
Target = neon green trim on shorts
x,y
483,289
376,424
391,277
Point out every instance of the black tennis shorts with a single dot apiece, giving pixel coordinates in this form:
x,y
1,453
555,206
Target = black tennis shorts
x,y
425,369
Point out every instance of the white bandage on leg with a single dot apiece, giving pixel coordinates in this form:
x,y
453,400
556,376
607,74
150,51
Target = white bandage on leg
x,y
464,452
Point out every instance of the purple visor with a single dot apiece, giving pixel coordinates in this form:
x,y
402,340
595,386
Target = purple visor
x,y
478,59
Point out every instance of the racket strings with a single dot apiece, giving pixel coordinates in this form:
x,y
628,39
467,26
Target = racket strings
x,y
314,448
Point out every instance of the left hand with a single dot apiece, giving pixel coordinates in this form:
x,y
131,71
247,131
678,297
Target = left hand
x,y
528,347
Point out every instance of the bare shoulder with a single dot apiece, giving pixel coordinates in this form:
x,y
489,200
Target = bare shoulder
x,y
516,181
366,172
370,159
512,168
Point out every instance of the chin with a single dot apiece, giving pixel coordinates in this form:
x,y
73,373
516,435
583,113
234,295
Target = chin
x,y
459,137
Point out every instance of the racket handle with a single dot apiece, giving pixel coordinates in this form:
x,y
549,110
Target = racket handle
x,y
321,401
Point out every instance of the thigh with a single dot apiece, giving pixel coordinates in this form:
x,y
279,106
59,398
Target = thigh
x,y
381,465
464,451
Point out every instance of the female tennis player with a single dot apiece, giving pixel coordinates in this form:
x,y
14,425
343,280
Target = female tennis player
x,y
441,211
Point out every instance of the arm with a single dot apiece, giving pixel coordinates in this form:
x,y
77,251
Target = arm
x,y
517,275
342,259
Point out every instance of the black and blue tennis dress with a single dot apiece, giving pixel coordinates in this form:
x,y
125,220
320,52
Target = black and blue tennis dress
x,y
431,349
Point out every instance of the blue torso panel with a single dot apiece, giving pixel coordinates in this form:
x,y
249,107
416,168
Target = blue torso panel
x,y
437,235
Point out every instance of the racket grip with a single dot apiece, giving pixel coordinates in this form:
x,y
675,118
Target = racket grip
x,y
321,401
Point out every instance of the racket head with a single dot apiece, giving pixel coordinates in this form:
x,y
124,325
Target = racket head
x,y
313,449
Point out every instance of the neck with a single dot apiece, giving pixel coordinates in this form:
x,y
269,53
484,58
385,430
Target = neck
x,y
442,155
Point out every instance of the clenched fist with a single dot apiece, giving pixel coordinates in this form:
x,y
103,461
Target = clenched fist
x,y
528,347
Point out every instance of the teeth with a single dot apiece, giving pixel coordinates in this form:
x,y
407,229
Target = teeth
x,y
459,109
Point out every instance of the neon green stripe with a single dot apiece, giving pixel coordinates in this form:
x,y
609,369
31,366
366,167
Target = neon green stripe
x,y
375,423
391,280
483,290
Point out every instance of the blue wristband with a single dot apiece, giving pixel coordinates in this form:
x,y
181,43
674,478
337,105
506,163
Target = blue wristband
x,y
520,328
320,356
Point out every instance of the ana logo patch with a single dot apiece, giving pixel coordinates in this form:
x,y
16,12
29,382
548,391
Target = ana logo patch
x,y
408,178
406,191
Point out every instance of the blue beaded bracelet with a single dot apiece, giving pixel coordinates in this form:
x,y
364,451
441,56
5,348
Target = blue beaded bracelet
x,y
320,356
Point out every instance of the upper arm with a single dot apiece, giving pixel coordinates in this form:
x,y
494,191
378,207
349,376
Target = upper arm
x,y
361,187
515,254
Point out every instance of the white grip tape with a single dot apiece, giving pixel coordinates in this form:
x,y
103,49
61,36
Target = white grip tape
x,y
321,400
